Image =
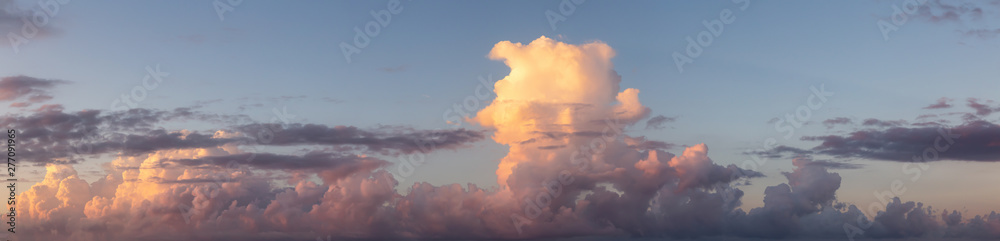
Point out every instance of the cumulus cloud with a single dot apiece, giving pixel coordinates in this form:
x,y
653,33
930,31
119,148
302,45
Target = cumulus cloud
x,y
594,181
555,89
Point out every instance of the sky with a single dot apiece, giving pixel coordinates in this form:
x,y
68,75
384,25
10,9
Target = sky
x,y
306,120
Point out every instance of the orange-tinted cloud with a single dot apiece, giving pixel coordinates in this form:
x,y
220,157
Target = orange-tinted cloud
x,y
571,171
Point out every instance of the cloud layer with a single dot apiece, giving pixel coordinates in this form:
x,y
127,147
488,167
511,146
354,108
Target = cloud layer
x,y
571,172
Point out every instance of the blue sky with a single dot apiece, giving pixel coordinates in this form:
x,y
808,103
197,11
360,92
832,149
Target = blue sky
x,y
431,55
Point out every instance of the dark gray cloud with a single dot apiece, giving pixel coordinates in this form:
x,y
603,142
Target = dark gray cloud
x,y
780,152
809,190
329,166
657,122
641,143
26,90
830,123
384,139
828,164
973,141
883,123
942,103
270,161
136,144
51,134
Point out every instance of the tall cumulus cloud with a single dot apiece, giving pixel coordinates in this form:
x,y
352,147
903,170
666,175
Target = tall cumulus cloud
x,y
571,171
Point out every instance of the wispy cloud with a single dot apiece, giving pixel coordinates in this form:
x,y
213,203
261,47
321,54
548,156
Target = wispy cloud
x,y
26,91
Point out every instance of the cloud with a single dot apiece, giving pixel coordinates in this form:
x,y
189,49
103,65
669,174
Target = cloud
x,y
384,139
395,69
833,165
555,88
973,141
26,90
975,17
598,183
982,107
883,123
330,166
942,103
779,151
13,18
830,123
52,135
641,143
938,11
657,122
982,33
